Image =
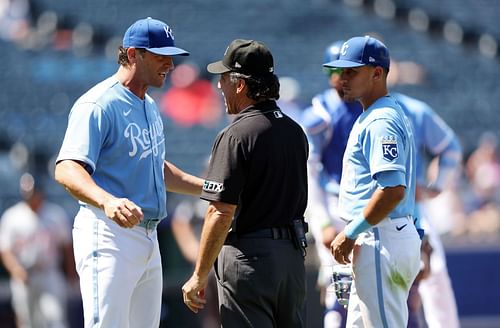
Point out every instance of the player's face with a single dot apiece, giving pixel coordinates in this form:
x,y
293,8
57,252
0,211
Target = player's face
x,y
153,69
335,83
357,82
228,89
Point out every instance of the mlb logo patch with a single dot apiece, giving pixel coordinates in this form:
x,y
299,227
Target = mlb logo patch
x,y
213,187
390,148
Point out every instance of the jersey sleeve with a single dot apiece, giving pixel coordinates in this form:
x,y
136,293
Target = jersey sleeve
x,y
87,129
440,140
436,133
384,147
225,177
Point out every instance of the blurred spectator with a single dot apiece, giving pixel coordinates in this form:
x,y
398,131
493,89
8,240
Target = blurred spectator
x,y
14,19
191,100
482,200
470,206
35,247
483,169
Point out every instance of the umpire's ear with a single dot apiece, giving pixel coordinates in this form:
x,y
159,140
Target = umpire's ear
x,y
240,85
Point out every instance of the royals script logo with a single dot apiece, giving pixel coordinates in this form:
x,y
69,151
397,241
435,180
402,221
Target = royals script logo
x,y
145,141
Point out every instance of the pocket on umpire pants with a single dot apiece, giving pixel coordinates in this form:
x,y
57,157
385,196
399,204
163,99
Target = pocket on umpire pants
x,y
219,265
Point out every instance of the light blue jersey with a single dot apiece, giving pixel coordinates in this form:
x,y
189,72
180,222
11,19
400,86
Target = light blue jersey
x,y
381,140
120,137
433,136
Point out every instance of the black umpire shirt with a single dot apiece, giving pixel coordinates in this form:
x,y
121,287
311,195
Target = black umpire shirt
x,y
259,162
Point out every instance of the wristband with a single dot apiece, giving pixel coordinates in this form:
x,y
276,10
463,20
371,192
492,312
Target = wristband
x,y
355,227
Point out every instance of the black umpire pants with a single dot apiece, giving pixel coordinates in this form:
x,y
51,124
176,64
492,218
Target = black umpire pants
x,y
261,284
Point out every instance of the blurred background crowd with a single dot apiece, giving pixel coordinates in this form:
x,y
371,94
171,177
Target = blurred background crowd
x,y
443,52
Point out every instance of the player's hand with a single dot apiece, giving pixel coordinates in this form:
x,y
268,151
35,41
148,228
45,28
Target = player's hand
x,y
328,235
123,211
193,293
341,248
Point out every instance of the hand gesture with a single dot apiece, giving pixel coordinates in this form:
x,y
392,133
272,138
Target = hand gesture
x,y
123,211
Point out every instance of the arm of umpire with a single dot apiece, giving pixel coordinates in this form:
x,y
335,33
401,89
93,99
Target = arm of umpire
x,y
215,229
75,178
382,202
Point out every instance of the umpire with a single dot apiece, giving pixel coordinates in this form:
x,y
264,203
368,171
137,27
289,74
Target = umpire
x,y
257,189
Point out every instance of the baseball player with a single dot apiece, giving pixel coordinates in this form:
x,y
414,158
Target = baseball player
x,y
34,239
113,161
377,192
327,123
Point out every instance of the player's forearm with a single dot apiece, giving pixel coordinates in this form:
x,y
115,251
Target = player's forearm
x,y
181,182
448,166
78,182
382,202
215,229
12,265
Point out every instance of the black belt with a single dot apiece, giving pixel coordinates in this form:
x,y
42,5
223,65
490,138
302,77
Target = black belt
x,y
271,233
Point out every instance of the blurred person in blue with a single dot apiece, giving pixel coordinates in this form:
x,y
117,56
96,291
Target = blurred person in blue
x,y
327,124
377,192
113,161
35,247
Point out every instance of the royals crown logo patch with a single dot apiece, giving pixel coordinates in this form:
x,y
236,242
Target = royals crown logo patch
x,y
390,148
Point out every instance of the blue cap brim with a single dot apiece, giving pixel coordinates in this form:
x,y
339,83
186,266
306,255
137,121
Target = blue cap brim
x,y
343,64
168,51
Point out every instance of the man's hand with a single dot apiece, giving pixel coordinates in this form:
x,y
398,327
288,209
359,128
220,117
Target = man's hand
x,y
123,211
341,248
193,293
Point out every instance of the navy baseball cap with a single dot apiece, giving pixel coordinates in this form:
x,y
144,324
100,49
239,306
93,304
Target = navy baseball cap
x,y
361,51
248,57
153,35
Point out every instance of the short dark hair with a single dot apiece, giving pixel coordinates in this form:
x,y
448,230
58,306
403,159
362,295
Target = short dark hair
x,y
260,88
